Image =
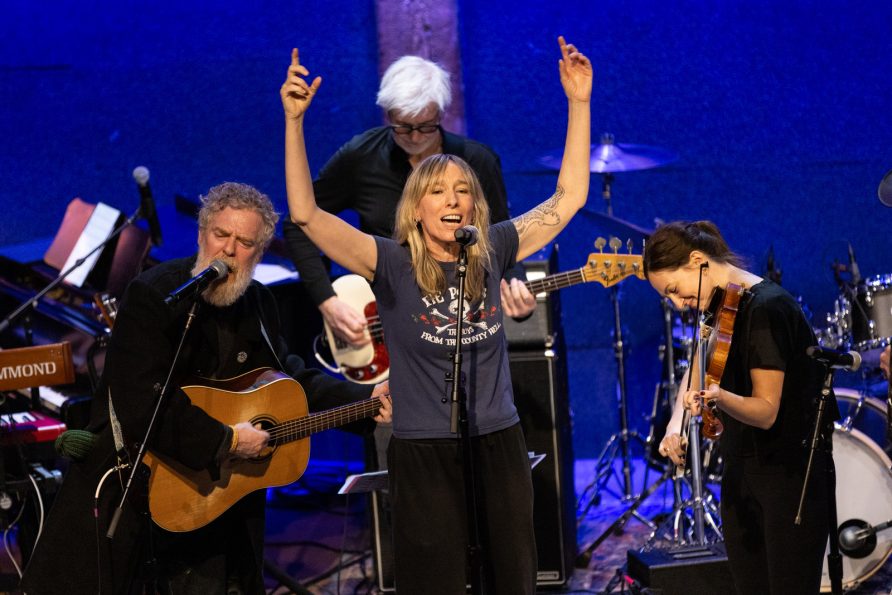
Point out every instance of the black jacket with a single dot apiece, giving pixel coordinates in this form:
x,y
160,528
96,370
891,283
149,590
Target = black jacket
x,y
221,343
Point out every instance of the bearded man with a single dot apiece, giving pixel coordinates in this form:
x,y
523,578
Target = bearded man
x,y
235,330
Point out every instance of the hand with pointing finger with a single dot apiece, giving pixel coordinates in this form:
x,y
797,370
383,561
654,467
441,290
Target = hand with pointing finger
x,y
296,93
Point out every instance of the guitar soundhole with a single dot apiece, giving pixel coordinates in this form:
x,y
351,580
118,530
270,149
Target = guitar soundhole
x,y
269,424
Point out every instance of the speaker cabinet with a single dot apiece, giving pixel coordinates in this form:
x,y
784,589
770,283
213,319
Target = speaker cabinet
x,y
539,380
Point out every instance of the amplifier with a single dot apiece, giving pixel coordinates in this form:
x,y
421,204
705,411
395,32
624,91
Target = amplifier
x,y
683,570
536,332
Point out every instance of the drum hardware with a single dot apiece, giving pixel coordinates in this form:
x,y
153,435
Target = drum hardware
x,y
863,485
694,506
861,318
607,158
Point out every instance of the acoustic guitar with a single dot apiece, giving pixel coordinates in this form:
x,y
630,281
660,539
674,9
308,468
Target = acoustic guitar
x,y
370,363
182,499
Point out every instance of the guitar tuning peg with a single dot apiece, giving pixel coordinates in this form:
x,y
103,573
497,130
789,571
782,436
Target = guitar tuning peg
x,y
600,243
615,243
629,245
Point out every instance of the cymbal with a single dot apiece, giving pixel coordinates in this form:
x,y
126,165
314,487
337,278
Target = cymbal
x,y
614,226
609,157
884,191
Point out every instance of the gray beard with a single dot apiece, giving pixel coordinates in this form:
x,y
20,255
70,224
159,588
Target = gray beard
x,y
224,292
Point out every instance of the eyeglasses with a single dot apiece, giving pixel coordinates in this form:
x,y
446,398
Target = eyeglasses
x,y
406,129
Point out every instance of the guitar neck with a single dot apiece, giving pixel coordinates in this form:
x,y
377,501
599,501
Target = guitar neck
x,y
297,429
556,281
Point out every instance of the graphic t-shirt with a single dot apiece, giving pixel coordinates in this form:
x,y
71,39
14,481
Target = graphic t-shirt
x,y
420,335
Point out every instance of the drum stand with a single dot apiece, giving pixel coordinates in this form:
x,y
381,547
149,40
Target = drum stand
x,y
618,443
668,386
690,516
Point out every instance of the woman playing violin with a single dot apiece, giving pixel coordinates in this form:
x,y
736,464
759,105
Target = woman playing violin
x,y
767,399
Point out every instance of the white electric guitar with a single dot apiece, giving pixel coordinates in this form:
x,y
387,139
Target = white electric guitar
x,y
370,363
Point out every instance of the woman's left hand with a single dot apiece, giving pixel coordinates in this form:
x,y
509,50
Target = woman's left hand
x,y
694,399
576,72
517,300
385,414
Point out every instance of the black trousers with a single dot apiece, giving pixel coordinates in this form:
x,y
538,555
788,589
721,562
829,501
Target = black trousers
x,y
767,552
430,522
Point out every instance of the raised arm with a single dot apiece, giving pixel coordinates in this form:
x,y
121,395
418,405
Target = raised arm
x,y
352,249
540,225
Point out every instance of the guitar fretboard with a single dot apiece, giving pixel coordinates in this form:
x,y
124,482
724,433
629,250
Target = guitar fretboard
x,y
297,429
557,281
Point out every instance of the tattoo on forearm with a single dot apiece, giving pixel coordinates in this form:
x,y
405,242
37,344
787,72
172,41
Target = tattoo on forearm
x,y
546,214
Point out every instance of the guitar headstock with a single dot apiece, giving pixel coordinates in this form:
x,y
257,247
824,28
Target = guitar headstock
x,y
106,307
609,268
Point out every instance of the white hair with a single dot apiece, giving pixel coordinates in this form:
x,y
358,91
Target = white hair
x,y
411,84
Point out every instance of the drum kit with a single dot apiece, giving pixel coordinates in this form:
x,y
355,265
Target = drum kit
x,y
861,320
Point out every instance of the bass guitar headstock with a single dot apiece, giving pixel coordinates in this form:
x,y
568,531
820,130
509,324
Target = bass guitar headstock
x,y
609,268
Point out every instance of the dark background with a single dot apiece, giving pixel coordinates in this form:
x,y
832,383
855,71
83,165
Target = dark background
x,y
779,112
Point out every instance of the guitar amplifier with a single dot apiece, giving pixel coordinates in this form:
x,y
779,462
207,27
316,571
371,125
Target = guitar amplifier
x,y
536,332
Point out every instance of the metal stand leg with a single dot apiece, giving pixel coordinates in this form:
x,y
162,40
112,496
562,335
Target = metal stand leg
x,y
619,443
693,520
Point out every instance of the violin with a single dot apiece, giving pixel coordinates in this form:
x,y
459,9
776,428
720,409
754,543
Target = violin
x,y
723,307
714,344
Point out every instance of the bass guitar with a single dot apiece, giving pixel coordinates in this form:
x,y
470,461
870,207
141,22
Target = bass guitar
x,y
182,499
370,363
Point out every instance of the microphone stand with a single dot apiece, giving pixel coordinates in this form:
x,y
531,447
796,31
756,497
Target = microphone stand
x,y
161,392
6,322
458,423
834,558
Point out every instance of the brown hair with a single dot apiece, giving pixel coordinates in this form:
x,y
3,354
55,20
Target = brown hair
x,y
671,244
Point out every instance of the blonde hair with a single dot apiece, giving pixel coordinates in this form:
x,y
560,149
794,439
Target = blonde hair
x,y
407,231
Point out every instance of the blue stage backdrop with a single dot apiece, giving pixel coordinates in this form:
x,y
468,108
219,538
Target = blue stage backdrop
x,y
778,111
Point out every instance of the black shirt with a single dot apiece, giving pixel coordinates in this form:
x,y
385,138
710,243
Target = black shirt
x,y
367,175
771,332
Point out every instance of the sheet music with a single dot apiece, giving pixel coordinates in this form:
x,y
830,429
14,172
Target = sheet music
x,y
377,480
98,228
272,273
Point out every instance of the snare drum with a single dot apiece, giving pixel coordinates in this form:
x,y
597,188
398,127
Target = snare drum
x,y
863,480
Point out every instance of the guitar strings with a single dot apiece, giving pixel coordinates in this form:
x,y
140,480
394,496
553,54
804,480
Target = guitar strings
x,y
304,426
557,281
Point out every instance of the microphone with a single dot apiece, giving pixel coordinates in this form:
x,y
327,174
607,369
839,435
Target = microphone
x,y
147,204
857,538
842,360
217,270
853,266
467,235
852,538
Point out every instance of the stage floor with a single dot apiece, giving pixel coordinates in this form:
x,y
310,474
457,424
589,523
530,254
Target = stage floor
x,y
321,540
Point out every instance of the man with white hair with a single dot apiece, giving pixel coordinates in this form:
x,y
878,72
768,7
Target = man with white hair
x,y
233,331
368,173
